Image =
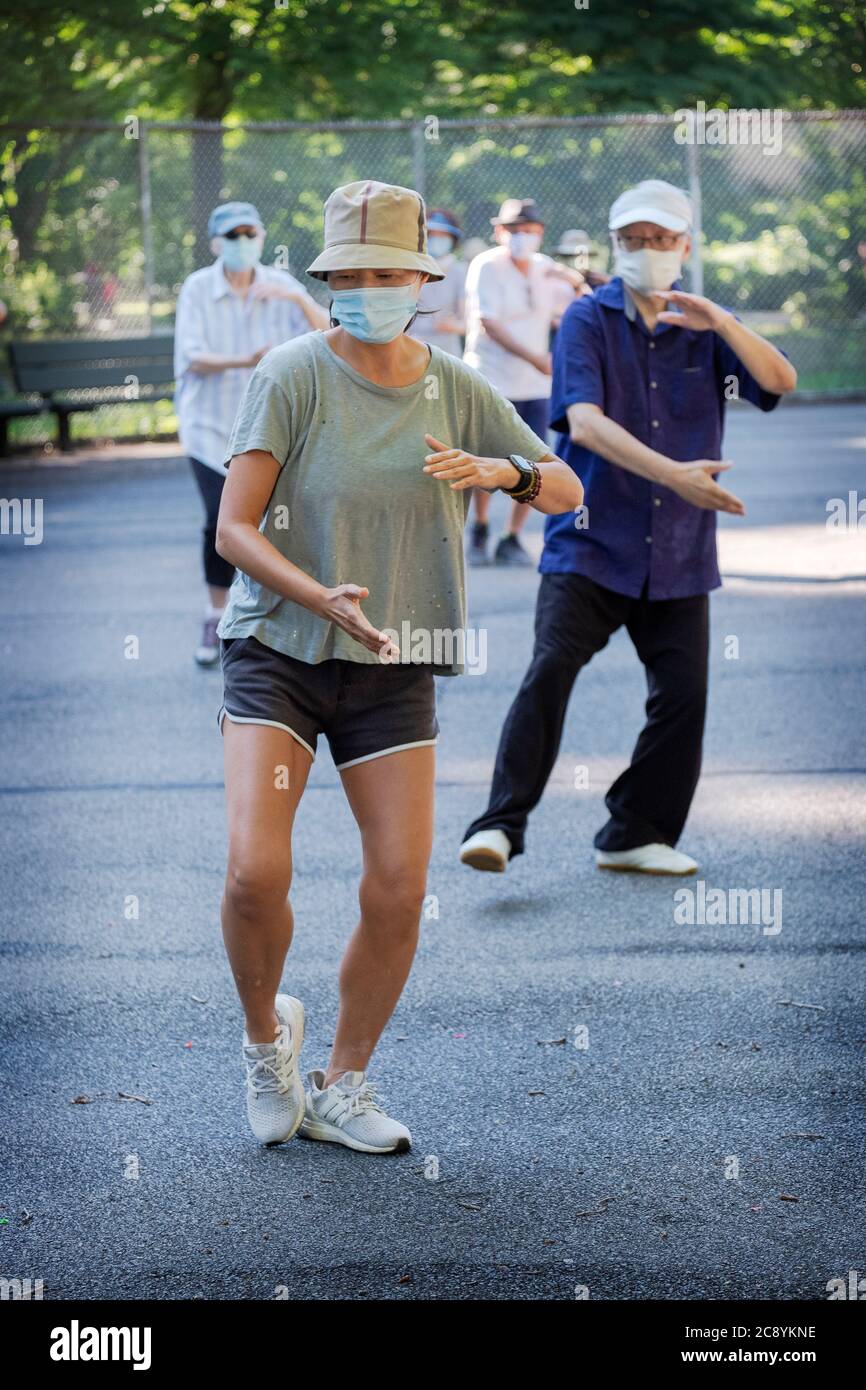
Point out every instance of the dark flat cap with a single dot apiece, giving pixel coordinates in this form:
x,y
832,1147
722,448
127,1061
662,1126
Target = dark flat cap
x,y
516,210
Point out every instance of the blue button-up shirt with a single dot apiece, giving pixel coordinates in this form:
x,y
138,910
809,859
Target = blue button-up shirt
x,y
668,389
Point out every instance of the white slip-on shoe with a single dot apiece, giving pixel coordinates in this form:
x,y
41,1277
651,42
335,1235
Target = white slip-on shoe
x,y
347,1112
646,859
486,849
275,1090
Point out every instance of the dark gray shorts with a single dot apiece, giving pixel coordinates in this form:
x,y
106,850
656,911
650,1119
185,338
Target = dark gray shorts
x,y
364,710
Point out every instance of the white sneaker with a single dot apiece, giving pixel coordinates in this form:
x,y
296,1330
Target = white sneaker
x,y
275,1091
646,859
346,1112
486,849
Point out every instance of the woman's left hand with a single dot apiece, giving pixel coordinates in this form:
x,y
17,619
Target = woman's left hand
x,y
461,470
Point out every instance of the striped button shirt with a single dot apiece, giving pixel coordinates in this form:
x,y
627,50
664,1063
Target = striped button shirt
x,y
211,317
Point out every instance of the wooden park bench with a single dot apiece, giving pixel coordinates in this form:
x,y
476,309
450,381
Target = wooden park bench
x,y
67,375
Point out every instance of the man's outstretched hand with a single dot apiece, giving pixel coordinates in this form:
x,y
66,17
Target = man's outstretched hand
x,y
695,484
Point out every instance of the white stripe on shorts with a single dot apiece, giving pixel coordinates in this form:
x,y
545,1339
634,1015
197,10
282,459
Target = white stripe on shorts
x,y
420,743
271,724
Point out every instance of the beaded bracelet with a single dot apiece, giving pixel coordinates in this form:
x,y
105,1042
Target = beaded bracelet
x,y
532,490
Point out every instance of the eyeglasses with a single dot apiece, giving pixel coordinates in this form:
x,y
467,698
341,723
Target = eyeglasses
x,y
236,232
665,242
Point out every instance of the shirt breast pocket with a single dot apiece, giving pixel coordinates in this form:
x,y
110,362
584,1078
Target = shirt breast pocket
x,y
689,393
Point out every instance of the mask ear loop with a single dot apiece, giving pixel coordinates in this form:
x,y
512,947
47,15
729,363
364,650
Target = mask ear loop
x,y
334,323
415,315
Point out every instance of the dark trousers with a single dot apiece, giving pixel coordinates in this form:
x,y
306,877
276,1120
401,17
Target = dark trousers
x,y
574,619
217,571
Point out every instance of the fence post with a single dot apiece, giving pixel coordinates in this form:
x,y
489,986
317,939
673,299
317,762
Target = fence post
x,y
695,257
418,170
146,220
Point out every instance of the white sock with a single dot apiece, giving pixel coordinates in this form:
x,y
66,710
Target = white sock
x,y
211,612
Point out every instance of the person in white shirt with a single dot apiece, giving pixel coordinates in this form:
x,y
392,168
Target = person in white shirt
x,y
441,320
510,308
571,255
228,316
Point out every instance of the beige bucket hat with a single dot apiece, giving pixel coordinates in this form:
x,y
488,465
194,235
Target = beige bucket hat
x,y
379,226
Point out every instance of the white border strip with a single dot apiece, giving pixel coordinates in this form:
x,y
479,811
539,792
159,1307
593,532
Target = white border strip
x,y
271,724
420,743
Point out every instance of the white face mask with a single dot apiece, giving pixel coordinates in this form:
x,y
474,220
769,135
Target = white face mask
x,y
439,244
522,245
242,253
647,270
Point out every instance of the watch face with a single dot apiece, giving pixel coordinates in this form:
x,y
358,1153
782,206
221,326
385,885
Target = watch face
x,y
524,468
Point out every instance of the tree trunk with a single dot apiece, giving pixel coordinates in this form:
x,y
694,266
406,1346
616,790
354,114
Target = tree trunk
x,y
212,98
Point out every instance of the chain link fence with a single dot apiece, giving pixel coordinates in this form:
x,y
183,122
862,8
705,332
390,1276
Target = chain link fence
x,y
100,224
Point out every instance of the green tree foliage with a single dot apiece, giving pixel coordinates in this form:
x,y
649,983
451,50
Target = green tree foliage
x,y
781,234
373,59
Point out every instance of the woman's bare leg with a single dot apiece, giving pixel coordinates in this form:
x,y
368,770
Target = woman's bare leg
x,y
392,801
265,774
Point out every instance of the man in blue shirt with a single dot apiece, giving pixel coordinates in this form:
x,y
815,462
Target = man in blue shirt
x,y
641,373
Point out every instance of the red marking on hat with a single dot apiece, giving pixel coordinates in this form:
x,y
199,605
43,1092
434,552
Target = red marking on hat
x,y
364,198
421,222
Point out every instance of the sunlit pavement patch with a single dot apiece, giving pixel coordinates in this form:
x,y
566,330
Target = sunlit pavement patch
x,y
810,552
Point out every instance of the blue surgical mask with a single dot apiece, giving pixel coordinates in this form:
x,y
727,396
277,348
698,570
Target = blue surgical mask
x,y
438,245
242,253
375,315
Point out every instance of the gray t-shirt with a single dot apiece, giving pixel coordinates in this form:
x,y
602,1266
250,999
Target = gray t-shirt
x,y
351,504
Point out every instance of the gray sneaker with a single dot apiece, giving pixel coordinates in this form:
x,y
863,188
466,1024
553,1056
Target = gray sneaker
x,y
509,551
477,554
275,1091
347,1112
208,652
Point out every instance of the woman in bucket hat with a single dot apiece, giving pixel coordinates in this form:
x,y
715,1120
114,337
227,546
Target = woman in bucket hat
x,y
350,468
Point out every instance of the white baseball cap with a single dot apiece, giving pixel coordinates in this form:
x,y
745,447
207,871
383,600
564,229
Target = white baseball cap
x,y
653,200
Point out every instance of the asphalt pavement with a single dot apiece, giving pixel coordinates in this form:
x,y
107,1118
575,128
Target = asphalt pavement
x,y
604,1099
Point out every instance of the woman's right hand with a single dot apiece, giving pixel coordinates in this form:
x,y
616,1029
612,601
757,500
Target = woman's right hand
x,y
342,605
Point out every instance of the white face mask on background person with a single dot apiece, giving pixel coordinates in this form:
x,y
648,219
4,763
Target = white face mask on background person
x,y
647,270
241,253
522,245
439,244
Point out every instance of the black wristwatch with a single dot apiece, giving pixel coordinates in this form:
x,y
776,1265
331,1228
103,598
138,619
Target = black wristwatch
x,y
526,471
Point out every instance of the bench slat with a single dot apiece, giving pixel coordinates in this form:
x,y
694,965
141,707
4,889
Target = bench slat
x,y
54,379
47,350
